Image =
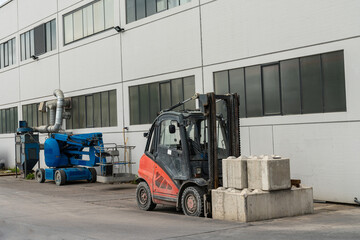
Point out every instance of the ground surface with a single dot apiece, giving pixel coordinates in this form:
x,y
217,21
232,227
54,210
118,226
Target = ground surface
x,y
29,210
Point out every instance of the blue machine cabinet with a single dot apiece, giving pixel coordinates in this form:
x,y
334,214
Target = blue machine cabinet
x,y
27,148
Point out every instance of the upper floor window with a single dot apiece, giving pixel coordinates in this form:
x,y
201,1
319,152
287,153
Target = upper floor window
x,y
8,120
310,84
138,9
39,40
7,53
147,100
88,20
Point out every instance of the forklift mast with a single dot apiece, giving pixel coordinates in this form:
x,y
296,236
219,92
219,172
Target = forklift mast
x,y
207,104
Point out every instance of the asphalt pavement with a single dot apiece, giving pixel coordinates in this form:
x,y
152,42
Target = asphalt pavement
x,y
30,210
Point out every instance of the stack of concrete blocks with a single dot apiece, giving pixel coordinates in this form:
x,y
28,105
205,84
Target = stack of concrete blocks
x,y
259,188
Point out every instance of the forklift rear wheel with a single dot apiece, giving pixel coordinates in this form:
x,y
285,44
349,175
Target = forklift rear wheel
x,y
40,175
192,201
60,177
143,197
93,175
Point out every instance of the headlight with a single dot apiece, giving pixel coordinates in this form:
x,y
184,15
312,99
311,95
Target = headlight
x,y
198,171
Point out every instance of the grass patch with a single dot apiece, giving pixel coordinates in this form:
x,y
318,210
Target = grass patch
x,y
30,176
14,169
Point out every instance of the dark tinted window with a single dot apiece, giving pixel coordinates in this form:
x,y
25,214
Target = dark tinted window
x,y
290,86
334,82
311,84
147,100
271,88
39,39
237,85
8,120
312,98
253,91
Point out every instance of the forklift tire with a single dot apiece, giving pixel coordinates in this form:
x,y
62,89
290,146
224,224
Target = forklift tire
x,y
93,175
192,201
40,175
143,197
60,177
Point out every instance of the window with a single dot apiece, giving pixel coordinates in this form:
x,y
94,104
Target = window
x,y
138,9
88,20
310,84
8,120
7,53
33,116
168,139
93,110
147,100
39,40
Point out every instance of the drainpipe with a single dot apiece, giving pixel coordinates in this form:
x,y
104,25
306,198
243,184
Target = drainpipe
x,y
55,120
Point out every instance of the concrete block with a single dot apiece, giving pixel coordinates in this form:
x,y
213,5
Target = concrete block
x,y
234,172
248,205
268,173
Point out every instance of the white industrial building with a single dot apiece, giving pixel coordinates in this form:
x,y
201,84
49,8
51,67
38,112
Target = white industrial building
x,y
294,63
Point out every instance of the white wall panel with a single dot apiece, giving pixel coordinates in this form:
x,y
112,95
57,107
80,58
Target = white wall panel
x,y
7,150
8,19
245,141
39,78
91,65
33,11
324,156
234,29
67,3
9,86
166,45
261,140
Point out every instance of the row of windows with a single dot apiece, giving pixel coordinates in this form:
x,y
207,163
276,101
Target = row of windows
x,y
138,9
88,111
33,117
83,22
39,40
8,120
94,110
88,20
7,53
147,100
312,84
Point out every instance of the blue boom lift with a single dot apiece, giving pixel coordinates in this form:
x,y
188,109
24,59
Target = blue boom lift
x,y
69,157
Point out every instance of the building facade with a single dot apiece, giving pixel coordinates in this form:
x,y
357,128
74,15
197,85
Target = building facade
x,y
294,64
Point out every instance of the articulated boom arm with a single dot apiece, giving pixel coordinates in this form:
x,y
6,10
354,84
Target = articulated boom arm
x,y
79,149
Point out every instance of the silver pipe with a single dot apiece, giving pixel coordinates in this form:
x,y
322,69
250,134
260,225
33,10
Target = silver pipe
x,y
58,118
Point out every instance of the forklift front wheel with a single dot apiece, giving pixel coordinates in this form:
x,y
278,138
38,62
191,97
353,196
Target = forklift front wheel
x,y
60,177
143,197
192,201
40,175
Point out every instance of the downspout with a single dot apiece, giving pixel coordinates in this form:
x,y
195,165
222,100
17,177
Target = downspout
x,y
58,118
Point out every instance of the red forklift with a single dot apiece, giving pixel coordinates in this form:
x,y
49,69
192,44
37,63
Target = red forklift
x,y
182,161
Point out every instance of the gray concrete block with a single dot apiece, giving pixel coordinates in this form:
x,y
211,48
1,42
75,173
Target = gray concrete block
x,y
268,173
234,172
248,205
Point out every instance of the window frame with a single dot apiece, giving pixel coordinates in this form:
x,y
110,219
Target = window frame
x,y
83,25
70,125
136,89
300,79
